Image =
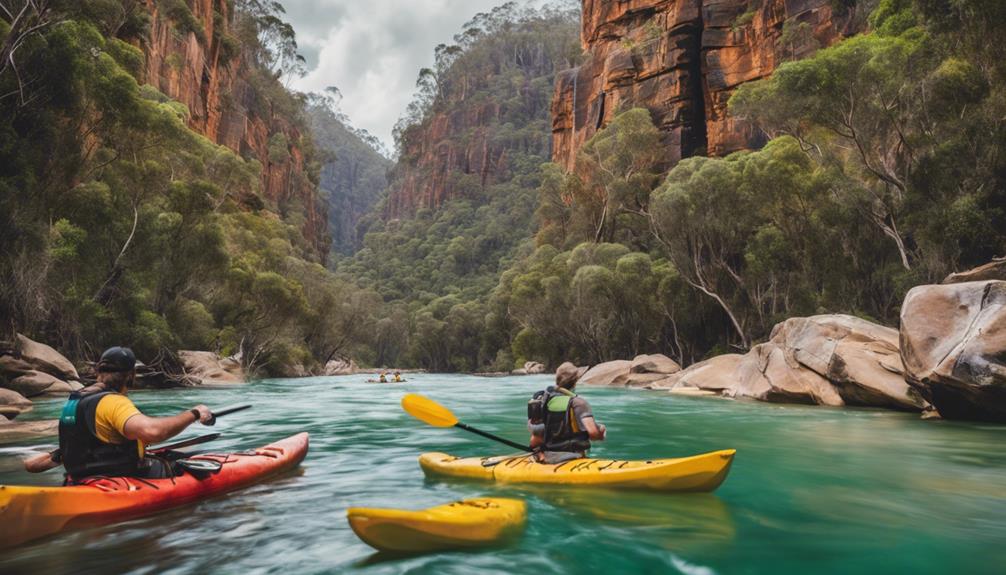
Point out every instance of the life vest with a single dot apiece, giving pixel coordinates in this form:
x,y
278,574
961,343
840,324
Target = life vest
x,y
554,409
84,455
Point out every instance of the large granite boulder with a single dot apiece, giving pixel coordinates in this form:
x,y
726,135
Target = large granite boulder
x,y
606,373
860,359
822,360
953,344
36,383
12,404
46,359
654,363
210,368
994,270
12,367
339,367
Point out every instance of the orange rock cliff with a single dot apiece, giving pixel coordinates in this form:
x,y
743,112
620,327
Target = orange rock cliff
x,y
195,70
682,59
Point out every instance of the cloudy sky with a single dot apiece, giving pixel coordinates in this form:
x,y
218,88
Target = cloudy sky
x,y
372,50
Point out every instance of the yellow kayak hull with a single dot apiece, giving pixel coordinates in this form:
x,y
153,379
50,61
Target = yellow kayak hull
x,y
468,523
686,474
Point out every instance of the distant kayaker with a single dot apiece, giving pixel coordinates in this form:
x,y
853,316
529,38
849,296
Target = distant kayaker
x,y
398,377
101,432
561,423
383,378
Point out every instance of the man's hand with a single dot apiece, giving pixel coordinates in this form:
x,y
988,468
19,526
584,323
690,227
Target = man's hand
x,y
604,431
205,415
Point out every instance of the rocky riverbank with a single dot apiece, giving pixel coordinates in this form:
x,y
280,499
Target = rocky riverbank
x,y
947,359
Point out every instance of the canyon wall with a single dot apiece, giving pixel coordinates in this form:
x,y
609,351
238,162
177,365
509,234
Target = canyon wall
x,y
206,70
453,155
682,59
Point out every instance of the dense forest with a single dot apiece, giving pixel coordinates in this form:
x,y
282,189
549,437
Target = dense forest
x,y
120,223
882,172
462,196
354,173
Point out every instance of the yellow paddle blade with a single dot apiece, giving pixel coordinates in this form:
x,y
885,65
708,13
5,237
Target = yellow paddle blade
x,y
428,411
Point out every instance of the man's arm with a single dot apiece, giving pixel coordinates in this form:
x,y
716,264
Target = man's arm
x,y
41,462
152,430
595,430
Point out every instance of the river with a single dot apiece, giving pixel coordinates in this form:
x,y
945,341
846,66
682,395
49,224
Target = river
x,y
812,490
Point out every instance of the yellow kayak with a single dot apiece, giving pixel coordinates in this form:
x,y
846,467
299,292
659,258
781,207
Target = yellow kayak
x,y
468,523
698,473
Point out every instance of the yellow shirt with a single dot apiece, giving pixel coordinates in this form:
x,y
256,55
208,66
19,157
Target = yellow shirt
x,y
110,419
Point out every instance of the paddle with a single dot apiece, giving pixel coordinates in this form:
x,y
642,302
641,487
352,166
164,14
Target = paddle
x,y
187,443
432,413
227,411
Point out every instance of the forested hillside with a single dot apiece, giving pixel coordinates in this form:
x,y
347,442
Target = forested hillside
x,y
122,222
462,196
884,171
354,175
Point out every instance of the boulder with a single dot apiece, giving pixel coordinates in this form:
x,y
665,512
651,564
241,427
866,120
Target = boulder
x,y
12,367
46,359
715,374
606,373
953,344
12,404
860,359
36,383
994,270
20,431
534,368
632,379
210,368
821,360
339,367
654,363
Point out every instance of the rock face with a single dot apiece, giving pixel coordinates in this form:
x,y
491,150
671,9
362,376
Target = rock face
x,y
654,363
209,368
43,358
994,270
643,370
36,383
606,373
953,343
199,72
682,59
822,360
12,404
429,176
339,367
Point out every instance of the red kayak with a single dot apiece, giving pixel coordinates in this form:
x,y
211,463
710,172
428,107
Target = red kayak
x,y
28,513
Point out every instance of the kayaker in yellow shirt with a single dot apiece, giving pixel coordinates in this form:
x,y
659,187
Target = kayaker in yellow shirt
x,y
101,432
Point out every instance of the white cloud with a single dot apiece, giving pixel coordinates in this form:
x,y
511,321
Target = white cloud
x,y
372,50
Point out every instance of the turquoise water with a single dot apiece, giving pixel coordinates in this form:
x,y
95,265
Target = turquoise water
x,y
812,490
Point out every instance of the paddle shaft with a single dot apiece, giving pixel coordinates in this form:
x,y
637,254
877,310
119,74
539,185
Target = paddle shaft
x,y
187,443
227,411
488,435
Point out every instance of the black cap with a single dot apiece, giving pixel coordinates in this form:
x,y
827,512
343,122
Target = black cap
x,y
117,359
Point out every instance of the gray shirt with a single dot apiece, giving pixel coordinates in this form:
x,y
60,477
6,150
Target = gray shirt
x,y
581,411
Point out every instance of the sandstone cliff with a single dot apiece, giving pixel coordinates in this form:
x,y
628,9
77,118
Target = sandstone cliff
x,y
202,69
682,59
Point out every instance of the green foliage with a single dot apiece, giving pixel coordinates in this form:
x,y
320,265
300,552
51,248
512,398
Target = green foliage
x,y
185,22
437,266
119,225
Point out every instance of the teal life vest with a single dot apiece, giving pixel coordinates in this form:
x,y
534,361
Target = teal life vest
x,y
83,454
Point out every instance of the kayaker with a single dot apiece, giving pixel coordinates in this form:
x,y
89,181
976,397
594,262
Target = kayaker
x,y
101,432
383,378
561,422
398,377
